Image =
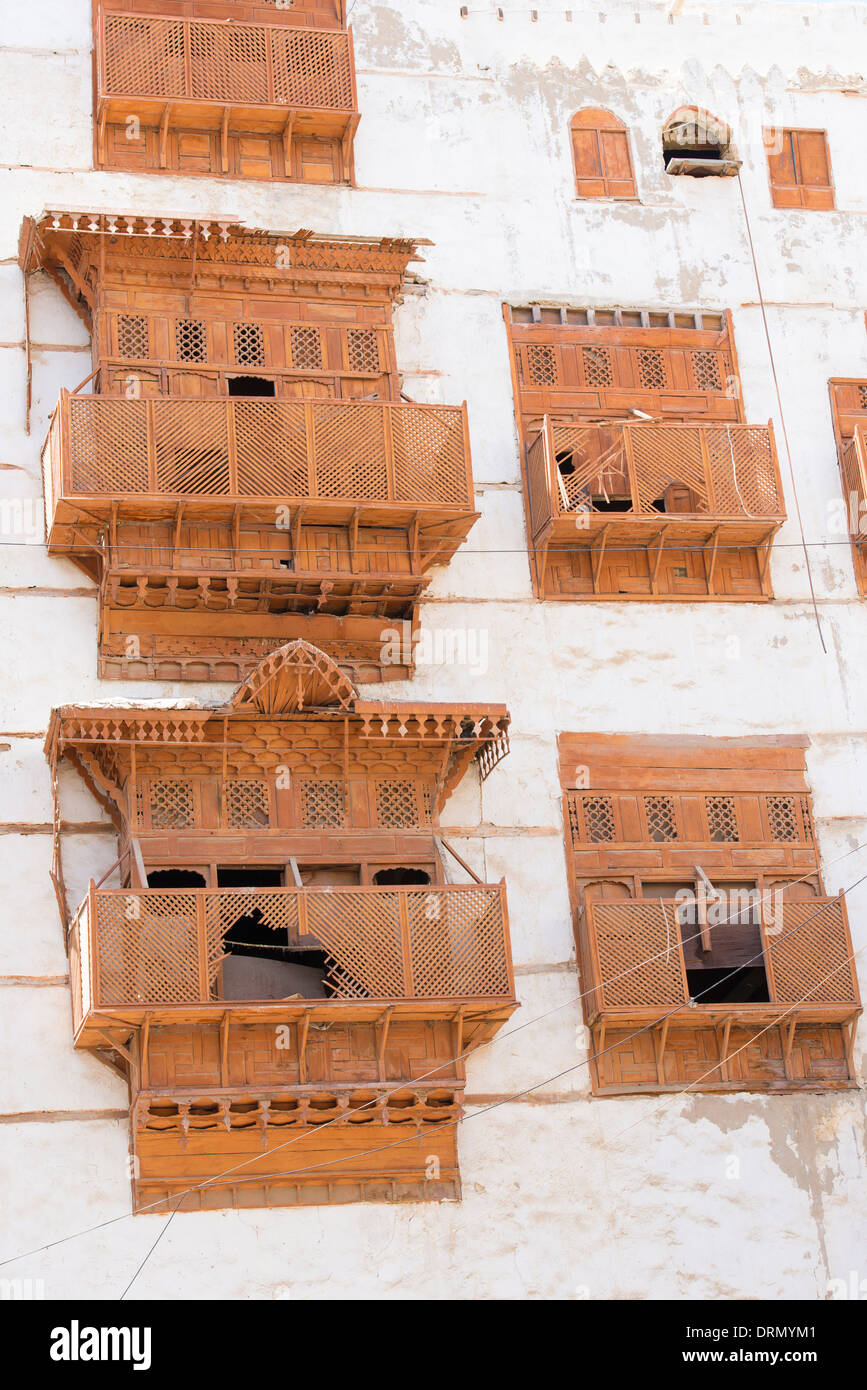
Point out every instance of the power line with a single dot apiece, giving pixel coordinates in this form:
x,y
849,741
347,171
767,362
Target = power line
x,y
507,1100
500,1037
782,412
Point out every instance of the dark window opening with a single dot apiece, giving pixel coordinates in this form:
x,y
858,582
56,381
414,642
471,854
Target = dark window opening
x,y
176,878
566,464
696,151
251,386
260,963
611,504
747,985
245,876
400,876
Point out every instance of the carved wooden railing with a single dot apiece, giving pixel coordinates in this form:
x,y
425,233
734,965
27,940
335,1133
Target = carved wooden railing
x,y
853,463
633,960
156,948
239,449
174,60
717,471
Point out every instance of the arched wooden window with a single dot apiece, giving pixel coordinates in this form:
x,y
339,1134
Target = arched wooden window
x,y
600,149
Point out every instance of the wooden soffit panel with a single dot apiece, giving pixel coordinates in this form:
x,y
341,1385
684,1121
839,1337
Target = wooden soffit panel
x,y
681,762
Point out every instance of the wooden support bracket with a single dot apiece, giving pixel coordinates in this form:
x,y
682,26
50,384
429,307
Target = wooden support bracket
x,y
660,1037
724,1049
164,136
597,554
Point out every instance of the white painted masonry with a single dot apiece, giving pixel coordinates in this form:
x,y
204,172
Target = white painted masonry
x,y
464,139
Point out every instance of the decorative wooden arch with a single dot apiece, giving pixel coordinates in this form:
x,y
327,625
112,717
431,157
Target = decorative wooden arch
x,y
601,154
297,676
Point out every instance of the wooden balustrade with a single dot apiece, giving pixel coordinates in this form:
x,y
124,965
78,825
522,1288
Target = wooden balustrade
x,y
161,950
711,470
633,959
151,58
853,463
652,510
106,447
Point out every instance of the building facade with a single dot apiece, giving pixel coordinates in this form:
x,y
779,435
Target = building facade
x,y
434,476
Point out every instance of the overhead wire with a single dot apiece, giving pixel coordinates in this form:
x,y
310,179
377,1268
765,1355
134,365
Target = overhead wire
x,y
499,1037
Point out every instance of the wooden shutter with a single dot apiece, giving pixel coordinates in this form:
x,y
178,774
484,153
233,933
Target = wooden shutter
x,y
603,163
800,169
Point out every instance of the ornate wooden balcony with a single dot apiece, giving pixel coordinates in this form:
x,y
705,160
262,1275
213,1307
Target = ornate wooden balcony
x,y
258,472
171,73
635,977
159,955
653,511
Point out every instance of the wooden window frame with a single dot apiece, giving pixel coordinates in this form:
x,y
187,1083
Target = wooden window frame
x,y
812,197
599,122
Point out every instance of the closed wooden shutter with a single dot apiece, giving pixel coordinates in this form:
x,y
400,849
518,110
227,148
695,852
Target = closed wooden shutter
x,y
600,149
800,169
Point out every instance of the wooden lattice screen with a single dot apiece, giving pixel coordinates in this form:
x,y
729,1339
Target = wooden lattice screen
x,y
161,947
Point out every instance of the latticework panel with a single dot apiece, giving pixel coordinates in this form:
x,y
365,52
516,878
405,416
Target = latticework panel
x,y
598,367
743,472
191,340
397,804
639,954
322,804
143,56
457,944
305,347
133,336
248,341
810,955
231,910
591,818
707,370
660,818
541,365
729,469
108,445
312,68
785,819
171,805
247,803
722,820
147,949
350,455
588,462
664,457
362,934
271,449
362,350
191,447
430,461
233,64
229,63
652,369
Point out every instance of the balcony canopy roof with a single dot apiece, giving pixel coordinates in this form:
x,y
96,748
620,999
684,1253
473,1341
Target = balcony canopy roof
x,y
297,682
78,246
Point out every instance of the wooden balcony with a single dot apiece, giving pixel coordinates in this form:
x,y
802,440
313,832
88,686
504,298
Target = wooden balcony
x,y
265,463
853,465
652,511
171,73
158,956
634,977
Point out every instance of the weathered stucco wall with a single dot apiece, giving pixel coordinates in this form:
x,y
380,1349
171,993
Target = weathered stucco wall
x,y
464,140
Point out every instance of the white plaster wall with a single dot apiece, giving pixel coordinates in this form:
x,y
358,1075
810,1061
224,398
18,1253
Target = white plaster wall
x,y
464,140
